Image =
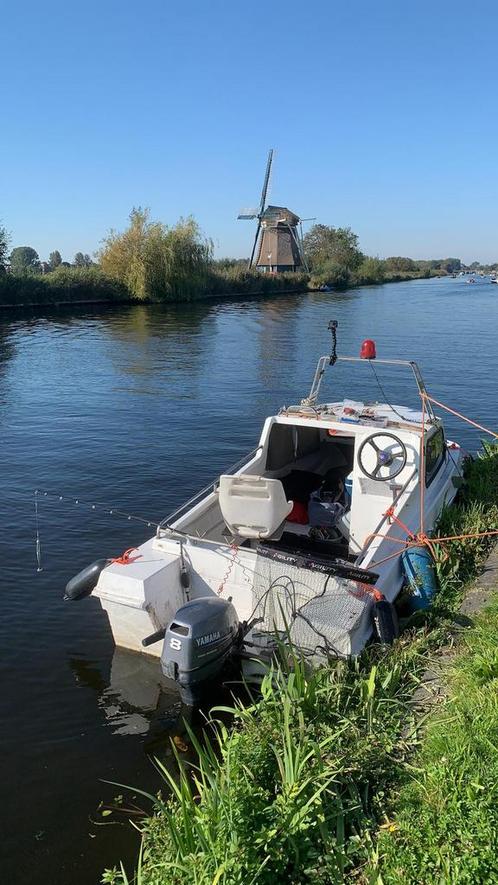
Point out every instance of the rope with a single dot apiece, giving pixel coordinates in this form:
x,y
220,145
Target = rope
x,y
37,536
234,547
459,415
126,558
97,505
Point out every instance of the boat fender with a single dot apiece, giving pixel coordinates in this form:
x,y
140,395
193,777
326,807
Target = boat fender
x,y
84,582
385,621
420,574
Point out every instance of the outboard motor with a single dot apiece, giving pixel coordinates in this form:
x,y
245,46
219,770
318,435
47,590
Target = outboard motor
x,y
197,644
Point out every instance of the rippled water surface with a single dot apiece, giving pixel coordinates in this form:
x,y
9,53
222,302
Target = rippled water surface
x,y
138,407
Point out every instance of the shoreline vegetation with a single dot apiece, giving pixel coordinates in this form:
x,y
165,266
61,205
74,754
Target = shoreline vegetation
x,y
332,776
150,262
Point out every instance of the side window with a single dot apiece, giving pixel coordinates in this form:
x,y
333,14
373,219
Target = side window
x,y
435,452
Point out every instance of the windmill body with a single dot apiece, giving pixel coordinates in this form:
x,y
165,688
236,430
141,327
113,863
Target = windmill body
x,y
277,245
278,248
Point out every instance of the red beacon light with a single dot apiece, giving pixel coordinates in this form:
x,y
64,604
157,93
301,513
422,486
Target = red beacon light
x,y
367,351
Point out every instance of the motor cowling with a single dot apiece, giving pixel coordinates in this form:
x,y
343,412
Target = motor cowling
x,y
197,644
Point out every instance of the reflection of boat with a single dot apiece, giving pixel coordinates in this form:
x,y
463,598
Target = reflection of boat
x,y
297,535
135,694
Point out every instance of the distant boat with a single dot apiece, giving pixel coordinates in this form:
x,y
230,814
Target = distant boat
x,y
494,279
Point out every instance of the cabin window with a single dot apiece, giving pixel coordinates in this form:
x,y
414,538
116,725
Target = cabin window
x,y
435,452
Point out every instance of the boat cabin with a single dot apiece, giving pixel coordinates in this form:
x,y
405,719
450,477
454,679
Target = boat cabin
x,y
307,484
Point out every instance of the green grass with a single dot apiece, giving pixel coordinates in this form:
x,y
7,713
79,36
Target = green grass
x,y
445,818
64,285
285,795
297,789
68,285
477,511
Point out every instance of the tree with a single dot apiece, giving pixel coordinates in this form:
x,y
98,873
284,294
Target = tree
x,y
54,259
24,259
338,245
4,246
155,261
397,264
451,265
371,270
82,260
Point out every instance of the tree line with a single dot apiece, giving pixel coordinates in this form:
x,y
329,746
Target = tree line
x,y
153,261
25,259
335,259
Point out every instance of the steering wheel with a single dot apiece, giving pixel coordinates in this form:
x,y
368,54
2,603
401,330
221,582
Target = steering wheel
x,y
394,456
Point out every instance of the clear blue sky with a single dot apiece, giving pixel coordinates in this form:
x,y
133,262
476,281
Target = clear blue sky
x,y
383,115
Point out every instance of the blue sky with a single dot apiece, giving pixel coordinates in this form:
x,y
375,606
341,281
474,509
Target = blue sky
x,y
383,117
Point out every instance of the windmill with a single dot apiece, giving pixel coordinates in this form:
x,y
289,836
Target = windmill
x,y
278,244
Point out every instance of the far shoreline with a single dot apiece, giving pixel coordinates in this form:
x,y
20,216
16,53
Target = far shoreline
x,y
212,296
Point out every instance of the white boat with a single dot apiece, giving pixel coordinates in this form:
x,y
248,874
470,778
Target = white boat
x,y
343,470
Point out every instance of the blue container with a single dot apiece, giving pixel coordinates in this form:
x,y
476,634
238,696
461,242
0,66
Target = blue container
x,y
420,574
348,488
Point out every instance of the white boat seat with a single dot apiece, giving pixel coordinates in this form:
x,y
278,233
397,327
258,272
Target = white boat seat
x,y
253,506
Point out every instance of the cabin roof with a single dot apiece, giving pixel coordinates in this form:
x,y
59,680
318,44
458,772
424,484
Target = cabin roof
x,y
353,417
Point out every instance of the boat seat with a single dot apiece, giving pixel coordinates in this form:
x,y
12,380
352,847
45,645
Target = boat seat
x,y
254,506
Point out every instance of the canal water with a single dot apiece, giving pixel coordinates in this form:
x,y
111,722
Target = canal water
x,y
134,409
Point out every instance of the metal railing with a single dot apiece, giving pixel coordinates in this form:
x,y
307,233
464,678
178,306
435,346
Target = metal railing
x,y
324,361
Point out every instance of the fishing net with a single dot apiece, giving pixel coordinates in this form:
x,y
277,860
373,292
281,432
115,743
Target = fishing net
x,y
322,613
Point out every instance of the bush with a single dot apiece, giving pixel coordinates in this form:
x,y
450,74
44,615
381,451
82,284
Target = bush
x,y
158,263
64,285
371,270
233,279
332,274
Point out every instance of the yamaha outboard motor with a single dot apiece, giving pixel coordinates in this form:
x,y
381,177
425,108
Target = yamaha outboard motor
x,y
197,644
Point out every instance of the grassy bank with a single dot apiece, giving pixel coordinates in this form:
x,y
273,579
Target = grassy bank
x,y
299,789
75,285
443,822
66,285
71,285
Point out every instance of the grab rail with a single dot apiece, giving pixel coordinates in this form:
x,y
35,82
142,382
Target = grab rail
x,y
209,489
386,516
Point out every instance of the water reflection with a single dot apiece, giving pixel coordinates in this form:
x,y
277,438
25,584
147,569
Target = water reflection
x,y
135,697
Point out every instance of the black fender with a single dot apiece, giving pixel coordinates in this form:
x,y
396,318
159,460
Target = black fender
x,y
84,582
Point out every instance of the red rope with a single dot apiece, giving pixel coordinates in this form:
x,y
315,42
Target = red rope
x,y
126,558
459,415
